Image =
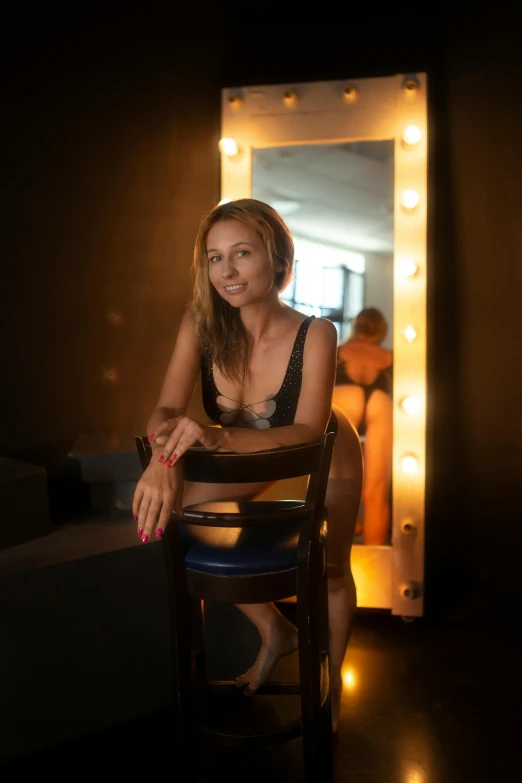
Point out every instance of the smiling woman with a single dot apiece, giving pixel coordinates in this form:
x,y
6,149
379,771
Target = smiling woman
x,y
267,374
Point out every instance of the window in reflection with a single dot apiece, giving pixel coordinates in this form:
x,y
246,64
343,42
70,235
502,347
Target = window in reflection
x,y
327,282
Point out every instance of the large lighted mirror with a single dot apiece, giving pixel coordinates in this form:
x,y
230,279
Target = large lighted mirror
x,y
337,200
345,164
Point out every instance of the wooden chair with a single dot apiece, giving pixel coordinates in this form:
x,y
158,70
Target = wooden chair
x,y
281,552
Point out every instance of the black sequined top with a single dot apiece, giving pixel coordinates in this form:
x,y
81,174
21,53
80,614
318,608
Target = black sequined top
x,y
277,411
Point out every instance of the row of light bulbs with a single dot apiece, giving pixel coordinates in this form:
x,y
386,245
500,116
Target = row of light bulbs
x,y
407,268
350,93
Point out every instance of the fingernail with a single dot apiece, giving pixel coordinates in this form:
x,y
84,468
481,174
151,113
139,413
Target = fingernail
x,y
145,539
140,532
159,532
151,436
169,463
161,458
135,517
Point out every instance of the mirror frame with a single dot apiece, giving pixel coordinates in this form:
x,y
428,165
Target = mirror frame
x,y
257,117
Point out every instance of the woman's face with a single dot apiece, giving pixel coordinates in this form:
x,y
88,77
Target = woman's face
x,y
238,263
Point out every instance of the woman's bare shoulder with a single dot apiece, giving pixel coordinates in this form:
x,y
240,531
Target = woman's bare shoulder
x,y
187,326
187,342
324,327
322,336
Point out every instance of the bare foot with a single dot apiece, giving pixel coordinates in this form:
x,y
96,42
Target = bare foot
x,y
337,692
280,640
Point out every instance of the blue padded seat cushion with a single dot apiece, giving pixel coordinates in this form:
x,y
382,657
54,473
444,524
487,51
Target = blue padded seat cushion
x,y
233,551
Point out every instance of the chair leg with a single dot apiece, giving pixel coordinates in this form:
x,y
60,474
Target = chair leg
x,y
199,668
180,609
312,618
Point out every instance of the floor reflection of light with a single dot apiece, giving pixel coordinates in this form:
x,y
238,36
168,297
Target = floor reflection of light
x,y
419,752
416,774
349,679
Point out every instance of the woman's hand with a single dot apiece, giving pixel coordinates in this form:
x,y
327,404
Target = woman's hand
x,y
186,433
158,493
162,432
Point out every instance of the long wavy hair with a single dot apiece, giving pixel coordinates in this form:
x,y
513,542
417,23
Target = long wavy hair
x,y
218,325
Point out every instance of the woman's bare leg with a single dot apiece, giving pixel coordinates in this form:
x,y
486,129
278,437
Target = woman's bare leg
x,y
349,399
342,502
342,603
378,464
278,635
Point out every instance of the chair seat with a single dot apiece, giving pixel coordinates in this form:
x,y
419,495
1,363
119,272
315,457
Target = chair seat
x,y
267,545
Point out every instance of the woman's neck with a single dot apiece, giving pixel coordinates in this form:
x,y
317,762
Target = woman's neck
x,y
260,318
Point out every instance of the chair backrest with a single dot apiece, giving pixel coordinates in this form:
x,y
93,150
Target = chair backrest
x,y
229,467
217,467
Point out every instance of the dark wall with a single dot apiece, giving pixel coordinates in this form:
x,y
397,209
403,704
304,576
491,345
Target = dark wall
x,y
112,160
485,124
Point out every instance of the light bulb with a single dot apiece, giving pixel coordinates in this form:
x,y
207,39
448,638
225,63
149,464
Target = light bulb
x,y
411,405
410,464
410,333
411,135
234,101
229,147
410,199
290,98
407,267
410,87
351,94
349,678
409,590
408,526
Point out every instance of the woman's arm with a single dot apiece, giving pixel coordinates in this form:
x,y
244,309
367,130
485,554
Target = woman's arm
x,y
180,378
158,492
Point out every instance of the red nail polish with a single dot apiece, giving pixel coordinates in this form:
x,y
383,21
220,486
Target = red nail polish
x,y
159,532
145,539
161,458
135,517
174,457
151,436
140,532
169,463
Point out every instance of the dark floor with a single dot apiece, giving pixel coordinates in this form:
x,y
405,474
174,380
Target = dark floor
x,y
432,701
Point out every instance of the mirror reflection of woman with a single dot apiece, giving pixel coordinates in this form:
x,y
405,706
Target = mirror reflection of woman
x,y
363,391
267,375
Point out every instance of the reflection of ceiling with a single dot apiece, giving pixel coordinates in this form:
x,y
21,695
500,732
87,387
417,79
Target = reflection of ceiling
x,y
340,194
